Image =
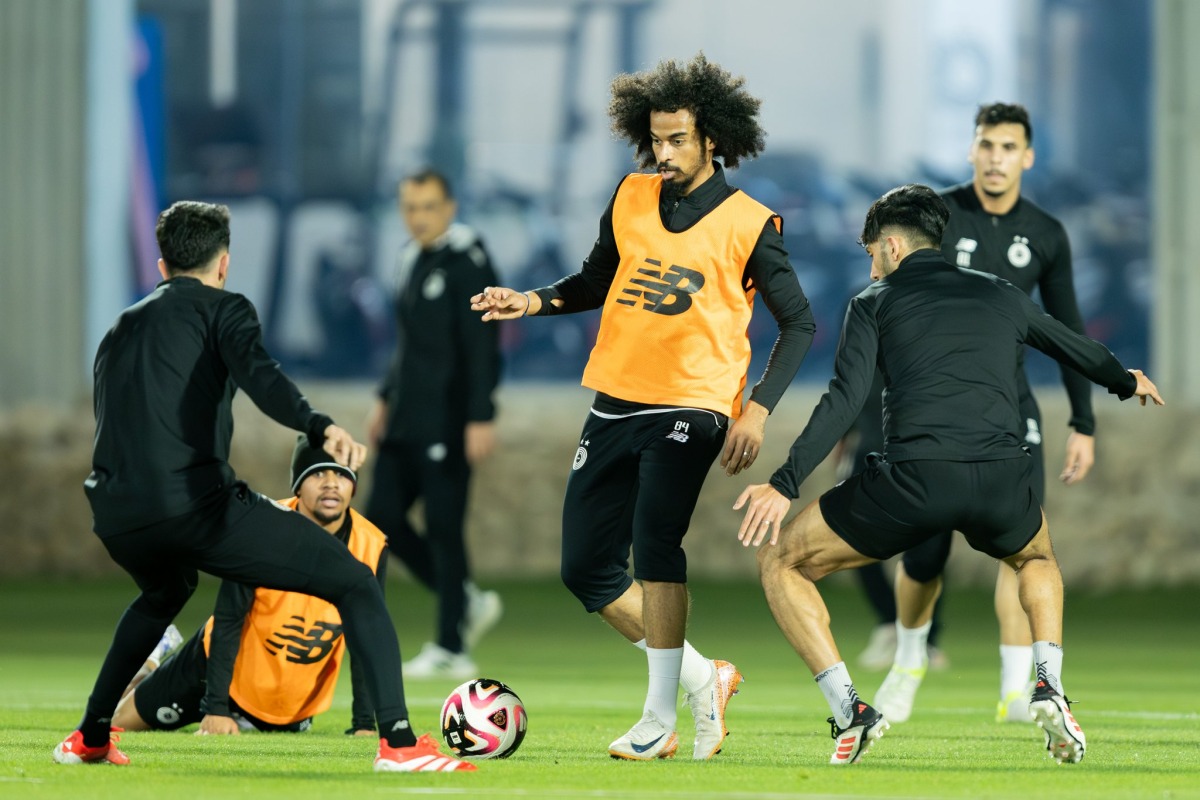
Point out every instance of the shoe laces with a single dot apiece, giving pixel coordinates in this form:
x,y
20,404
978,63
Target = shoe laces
x,y
647,727
834,730
1056,693
701,700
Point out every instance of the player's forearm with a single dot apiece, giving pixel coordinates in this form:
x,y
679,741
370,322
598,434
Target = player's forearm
x,y
1079,392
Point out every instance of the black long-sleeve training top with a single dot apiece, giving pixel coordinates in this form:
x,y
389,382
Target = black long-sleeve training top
x,y
948,342
1029,249
447,365
165,375
768,270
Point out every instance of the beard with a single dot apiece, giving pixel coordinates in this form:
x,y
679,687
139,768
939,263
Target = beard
x,y
324,517
672,191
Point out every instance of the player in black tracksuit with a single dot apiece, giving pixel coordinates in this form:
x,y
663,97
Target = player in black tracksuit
x,y
165,500
1029,249
948,342
994,229
435,400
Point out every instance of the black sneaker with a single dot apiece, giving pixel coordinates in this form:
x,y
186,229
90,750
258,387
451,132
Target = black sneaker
x,y
1052,712
856,738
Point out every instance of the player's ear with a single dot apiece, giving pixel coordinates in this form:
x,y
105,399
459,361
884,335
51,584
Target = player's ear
x,y
1027,159
895,245
162,270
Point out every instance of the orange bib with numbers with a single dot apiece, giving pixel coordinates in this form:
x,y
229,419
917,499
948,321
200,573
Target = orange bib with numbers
x,y
673,328
292,644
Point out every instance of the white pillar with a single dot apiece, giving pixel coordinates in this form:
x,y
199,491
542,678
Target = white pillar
x,y
1175,317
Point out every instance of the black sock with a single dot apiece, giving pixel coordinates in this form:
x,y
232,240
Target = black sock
x,y
96,730
398,733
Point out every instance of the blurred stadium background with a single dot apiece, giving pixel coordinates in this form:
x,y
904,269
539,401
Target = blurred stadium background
x,y
301,115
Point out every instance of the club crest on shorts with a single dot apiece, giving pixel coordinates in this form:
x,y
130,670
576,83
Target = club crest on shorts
x,y
580,455
168,715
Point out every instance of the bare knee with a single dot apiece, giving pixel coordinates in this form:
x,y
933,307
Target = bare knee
x,y
127,716
775,559
1031,558
772,560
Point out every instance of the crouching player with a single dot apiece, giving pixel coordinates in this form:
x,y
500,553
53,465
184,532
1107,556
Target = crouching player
x,y
267,660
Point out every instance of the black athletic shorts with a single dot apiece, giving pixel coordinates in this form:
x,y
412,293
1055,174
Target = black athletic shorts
x,y
928,560
889,508
170,697
634,483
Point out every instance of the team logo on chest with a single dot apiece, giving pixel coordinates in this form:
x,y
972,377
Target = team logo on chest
x,y
434,285
965,247
1019,254
301,644
666,292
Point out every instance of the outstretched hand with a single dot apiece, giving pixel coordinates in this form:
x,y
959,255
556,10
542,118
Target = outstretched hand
x,y
343,448
1146,388
766,510
500,302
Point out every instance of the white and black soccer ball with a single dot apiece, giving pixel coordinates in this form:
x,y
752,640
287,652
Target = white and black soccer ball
x,y
483,718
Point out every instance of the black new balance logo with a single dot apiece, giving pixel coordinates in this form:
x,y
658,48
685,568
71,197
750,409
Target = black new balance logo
x,y
664,293
304,647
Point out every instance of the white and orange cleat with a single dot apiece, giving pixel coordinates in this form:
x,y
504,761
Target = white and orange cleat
x,y
424,756
649,739
72,750
708,709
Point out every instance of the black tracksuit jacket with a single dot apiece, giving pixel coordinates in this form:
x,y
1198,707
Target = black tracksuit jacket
x,y
447,363
948,342
165,375
1029,249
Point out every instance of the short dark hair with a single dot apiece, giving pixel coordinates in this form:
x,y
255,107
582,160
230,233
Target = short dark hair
x,y
1000,113
725,112
191,234
914,210
427,174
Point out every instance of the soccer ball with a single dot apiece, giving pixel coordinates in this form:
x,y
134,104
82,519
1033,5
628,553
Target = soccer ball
x,y
483,718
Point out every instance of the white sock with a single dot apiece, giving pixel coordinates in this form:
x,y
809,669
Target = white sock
x,y
663,695
1016,665
912,645
839,692
696,671
161,649
1047,660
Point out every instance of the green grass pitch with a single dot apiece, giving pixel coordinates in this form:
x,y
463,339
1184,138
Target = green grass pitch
x,y
1131,663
